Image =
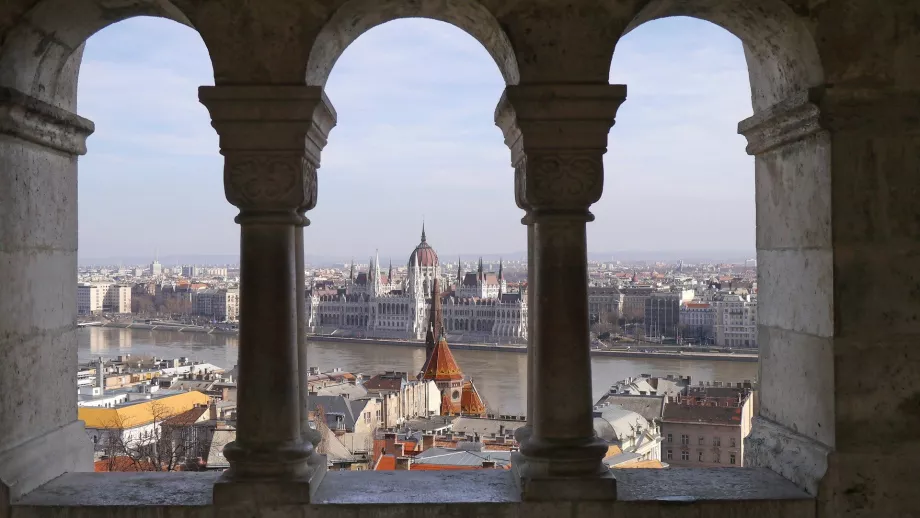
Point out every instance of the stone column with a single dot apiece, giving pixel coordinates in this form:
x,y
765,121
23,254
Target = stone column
x,y
794,430
523,433
271,138
40,436
839,311
558,136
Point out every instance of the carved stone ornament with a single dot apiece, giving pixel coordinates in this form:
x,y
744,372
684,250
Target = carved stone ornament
x,y
561,181
266,182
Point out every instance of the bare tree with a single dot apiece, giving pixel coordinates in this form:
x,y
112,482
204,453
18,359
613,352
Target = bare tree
x,y
319,420
161,445
142,304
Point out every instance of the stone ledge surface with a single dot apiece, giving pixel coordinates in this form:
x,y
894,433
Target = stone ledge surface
x,y
124,489
676,485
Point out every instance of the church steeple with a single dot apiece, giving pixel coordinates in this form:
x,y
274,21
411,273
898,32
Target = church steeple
x,y
423,232
390,273
351,276
459,273
500,276
435,319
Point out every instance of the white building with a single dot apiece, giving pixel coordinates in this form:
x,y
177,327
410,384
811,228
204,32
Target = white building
x,y
375,305
735,319
99,297
696,321
220,304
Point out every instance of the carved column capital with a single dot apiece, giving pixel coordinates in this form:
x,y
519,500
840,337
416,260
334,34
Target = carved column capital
x,y
28,118
786,122
558,136
838,109
271,138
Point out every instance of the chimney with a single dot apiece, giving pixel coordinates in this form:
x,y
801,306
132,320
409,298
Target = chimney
x,y
100,374
403,463
389,439
212,411
486,464
427,441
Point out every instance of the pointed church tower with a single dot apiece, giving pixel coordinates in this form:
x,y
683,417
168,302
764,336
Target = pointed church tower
x,y
376,279
501,278
459,274
390,273
435,320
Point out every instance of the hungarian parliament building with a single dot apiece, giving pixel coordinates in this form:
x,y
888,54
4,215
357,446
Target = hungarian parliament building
x,y
476,307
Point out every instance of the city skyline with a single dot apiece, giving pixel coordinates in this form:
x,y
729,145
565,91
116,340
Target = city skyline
x,y
678,179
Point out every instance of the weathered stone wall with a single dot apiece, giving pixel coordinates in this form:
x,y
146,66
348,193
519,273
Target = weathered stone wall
x,y
39,435
836,93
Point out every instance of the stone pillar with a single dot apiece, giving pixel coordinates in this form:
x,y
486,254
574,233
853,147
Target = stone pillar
x,y
794,430
558,136
40,436
522,434
840,313
271,138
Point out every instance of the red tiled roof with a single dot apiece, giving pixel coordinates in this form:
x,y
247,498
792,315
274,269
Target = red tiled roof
x,y
470,401
441,365
187,418
383,383
386,463
121,464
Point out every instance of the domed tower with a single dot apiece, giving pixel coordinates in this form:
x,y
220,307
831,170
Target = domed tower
x,y
426,260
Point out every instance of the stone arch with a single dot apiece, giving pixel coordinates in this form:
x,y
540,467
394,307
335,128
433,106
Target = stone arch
x,y
40,56
792,177
781,53
356,17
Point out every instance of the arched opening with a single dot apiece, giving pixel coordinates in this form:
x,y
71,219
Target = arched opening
x,y
40,59
672,245
792,215
356,17
408,178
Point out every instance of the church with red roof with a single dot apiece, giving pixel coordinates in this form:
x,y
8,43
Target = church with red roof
x,y
458,394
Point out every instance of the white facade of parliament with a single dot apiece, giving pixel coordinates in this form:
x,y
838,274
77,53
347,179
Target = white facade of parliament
x,y
373,304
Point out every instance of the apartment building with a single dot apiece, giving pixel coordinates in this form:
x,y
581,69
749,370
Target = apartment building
x,y
696,321
734,319
662,312
604,302
221,305
705,426
103,297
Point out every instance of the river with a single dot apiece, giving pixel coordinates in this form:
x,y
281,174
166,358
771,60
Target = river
x,y
501,377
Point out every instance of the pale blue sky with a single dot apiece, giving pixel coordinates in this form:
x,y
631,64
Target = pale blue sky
x,y
415,138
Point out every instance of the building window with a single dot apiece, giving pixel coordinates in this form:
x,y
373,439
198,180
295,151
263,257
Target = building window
x,y
701,440
731,458
733,442
700,456
670,454
670,438
685,440
685,455
717,441
716,458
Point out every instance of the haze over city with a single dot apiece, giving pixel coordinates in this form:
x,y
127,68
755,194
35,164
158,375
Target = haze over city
x,y
415,139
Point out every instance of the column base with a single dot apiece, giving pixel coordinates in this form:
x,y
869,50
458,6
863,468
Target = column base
x,y
243,494
537,488
27,466
797,458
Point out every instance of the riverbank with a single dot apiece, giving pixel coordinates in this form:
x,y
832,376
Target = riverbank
x,y
649,350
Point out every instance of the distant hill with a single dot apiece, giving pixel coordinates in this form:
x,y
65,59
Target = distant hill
x,y
319,260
